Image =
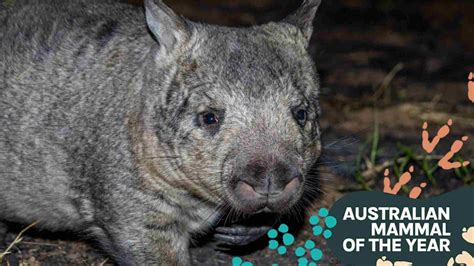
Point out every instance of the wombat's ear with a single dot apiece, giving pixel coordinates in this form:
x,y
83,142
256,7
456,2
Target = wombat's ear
x,y
169,29
303,17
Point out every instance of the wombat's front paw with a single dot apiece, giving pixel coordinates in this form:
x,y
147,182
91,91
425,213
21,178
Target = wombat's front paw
x,y
239,235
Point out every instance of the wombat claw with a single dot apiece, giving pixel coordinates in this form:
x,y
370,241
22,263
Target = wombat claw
x,y
240,235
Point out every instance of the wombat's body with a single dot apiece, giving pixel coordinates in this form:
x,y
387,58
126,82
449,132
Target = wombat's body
x,y
70,88
98,129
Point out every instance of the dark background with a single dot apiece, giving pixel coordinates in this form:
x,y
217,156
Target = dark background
x,y
386,67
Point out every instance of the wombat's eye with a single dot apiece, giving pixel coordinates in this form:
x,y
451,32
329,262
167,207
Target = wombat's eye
x,y
210,119
301,116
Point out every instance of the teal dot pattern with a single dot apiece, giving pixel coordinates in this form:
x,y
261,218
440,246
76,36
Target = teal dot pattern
x,y
272,233
273,244
308,254
329,222
281,250
315,254
287,239
237,261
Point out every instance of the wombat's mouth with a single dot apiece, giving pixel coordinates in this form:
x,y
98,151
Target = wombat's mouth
x,y
264,183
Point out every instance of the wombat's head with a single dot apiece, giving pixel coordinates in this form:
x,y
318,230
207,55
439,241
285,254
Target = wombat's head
x,y
237,112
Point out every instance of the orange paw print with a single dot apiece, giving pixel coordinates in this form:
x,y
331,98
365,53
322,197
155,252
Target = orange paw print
x,y
470,86
457,145
404,179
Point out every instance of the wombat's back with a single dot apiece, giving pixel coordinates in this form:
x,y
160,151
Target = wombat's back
x,y
63,64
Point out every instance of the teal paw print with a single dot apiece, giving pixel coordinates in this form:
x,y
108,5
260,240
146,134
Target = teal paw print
x,y
329,221
287,239
237,261
315,253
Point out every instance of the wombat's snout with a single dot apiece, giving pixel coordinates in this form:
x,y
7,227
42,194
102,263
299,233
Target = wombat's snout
x,y
268,186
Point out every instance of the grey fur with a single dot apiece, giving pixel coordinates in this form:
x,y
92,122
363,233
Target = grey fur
x,y
100,128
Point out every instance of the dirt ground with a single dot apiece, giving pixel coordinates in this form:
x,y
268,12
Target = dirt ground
x,y
386,65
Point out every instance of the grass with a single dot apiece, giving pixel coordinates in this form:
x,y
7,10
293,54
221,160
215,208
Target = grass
x,y
369,168
383,92
16,241
465,173
372,143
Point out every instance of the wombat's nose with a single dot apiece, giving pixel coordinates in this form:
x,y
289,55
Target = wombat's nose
x,y
269,180
273,186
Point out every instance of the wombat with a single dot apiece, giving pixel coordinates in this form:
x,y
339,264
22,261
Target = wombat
x,y
140,128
